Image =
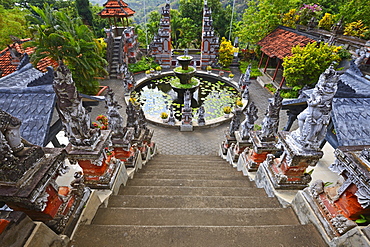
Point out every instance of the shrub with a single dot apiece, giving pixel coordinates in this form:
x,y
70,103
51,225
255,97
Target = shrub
x,y
164,115
355,29
227,109
146,63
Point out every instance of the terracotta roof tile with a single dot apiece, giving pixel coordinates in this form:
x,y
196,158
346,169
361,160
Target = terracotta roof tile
x,y
7,66
279,43
116,8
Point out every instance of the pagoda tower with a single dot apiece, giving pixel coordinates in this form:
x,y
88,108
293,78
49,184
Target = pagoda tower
x,y
210,41
161,44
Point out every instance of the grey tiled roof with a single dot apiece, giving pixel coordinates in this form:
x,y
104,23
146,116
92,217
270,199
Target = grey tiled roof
x,y
34,106
351,119
21,78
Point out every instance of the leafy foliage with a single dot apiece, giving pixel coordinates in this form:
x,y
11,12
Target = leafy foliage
x,y
67,40
12,22
84,10
226,53
327,21
145,64
307,63
356,29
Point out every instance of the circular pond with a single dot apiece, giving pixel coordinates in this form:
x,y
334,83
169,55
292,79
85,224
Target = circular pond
x,y
156,96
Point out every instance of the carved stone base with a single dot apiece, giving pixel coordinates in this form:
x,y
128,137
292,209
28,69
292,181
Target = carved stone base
x,y
15,228
259,152
309,212
288,171
186,127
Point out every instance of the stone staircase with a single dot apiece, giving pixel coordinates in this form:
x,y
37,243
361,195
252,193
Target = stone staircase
x,y
194,201
115,58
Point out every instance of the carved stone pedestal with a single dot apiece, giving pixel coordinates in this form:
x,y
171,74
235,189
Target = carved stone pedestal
x,y
39,196
337,206
288,171
259,152
99,165
239,147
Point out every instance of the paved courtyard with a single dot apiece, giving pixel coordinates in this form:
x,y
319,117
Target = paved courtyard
x,y
204,141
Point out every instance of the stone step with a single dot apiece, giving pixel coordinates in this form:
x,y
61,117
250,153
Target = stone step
x,y
191,182
158,201
187,158
170,166
190,171
195,216
191,191
175,236
216,176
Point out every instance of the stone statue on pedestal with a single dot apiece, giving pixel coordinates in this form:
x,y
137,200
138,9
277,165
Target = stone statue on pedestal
x,y
171,118
201,112
248,124
244,80
131,115
115,120
313,121
76,121
270,123
235,122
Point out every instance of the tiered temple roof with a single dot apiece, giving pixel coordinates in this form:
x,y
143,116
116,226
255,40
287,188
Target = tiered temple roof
x,y
116,8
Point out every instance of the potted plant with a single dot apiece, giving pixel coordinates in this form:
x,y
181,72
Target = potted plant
x,y
164,117
147,73
221,73
152,71
231,76
209,69
227,111
239,103
158,69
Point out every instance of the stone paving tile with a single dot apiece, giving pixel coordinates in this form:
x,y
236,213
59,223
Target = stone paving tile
x,y
171,141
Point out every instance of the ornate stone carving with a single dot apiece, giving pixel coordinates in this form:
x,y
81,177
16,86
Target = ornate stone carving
x,y
270,123
235,121
201,120
131,115
314,119
248,124
76,121
171,119
115,120
244,79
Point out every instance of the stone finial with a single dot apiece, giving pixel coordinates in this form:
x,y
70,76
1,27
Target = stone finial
x,y
313,121
250,118
76,121
115,120
201,120
171,118
131,115
235,122
244,79
270,123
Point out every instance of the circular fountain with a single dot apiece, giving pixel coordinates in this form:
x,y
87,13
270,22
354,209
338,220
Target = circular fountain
x,y
161,92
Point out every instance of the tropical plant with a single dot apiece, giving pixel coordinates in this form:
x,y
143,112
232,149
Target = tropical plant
x,y
164,115
68,41
307,12
306,64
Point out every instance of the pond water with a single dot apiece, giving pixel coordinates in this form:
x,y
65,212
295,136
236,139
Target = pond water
x,y
157,96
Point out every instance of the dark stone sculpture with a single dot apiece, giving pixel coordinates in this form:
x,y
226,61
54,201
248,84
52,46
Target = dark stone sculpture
x,y
235,122
115,120
201,120
171,119
76,121
248,124
270,123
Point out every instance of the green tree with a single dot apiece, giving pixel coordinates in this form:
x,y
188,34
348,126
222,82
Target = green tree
x,y
355,10
307,63
67,40
262,17
226,53
12,22
7,4
84,10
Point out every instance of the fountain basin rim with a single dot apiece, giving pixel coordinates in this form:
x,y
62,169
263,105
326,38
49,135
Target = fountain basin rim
x,y
209,123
